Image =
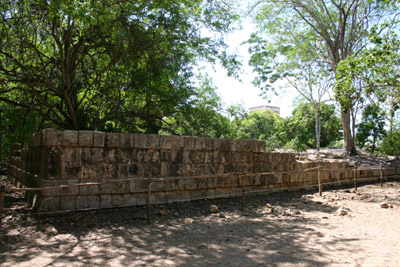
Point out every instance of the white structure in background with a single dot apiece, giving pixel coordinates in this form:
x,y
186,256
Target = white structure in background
x,y
274,109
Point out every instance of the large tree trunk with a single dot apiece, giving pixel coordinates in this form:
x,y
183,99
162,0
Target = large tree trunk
x,y
348,141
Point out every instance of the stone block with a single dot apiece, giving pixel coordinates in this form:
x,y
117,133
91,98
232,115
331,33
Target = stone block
x,y
88,172
85,138
157,186
72,171
178,142
112,140
215,169
89,189
165,169
222,192
190,143
152,156
110,155
49,204
81,203
99,139
140,140
184,195
110,171
159,198
53,163
172,185
203,144
72,155
130,200
106,201
121,187
202,183
119,200
93,202
123,155
234,181
151,169
127,140
140,198
190,184
137,186
53,192
195,195
124,171
169,196
38,139
106,187
165,142
212,182
70,191
70,138
52,137
221,144
153,141
68,203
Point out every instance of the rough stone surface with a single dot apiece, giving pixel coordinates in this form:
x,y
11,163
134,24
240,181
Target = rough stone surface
x,y
384,205
112,169
213,209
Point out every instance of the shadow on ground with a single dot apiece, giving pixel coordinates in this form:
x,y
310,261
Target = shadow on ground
x,y
184,234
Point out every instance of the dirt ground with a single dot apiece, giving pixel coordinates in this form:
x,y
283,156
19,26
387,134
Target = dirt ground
x,y
282,229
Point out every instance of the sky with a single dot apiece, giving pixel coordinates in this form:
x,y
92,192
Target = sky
x,y
233,91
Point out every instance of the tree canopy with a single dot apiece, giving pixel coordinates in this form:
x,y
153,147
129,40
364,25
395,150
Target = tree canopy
x,y
332,31
118,65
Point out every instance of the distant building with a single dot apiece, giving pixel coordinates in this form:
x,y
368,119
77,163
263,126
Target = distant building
x,y
274,109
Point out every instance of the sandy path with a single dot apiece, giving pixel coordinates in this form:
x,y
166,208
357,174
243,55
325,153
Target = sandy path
x,y
285,229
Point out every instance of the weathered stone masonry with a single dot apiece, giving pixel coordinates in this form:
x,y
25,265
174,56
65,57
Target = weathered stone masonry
x,y
55,158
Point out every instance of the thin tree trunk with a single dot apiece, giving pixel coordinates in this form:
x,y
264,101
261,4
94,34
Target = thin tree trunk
x,y
318,129
348,140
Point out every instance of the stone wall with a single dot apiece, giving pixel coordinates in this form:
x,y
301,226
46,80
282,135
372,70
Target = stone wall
x,y
116,164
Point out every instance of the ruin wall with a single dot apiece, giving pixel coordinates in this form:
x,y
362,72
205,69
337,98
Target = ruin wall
x,y
113,166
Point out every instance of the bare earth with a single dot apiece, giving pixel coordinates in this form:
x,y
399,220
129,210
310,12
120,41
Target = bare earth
x,y
283,229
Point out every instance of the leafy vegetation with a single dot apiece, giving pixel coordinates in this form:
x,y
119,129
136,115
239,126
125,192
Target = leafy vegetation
x,y
129,66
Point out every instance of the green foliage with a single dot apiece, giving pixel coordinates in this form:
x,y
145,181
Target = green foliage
x,y
202,116
261,125
17,126
300,127
372,127
107,65
376,68
320,31
390,144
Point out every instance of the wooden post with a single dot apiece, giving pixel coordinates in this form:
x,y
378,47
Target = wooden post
x,y
148,201
355,178
381,175
319,181
242,192
2,193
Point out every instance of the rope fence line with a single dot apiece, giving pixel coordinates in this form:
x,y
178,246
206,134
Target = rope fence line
x,y
317,169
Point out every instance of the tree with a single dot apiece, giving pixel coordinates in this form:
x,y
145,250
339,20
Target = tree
x,y
261,125
390,144
376,68
298,128
371,128
340,28
117,65
300,70
202,116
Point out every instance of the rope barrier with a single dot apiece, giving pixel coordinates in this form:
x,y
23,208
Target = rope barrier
x,y
148,181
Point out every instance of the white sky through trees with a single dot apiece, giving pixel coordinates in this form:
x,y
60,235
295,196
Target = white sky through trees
x,y
235,92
